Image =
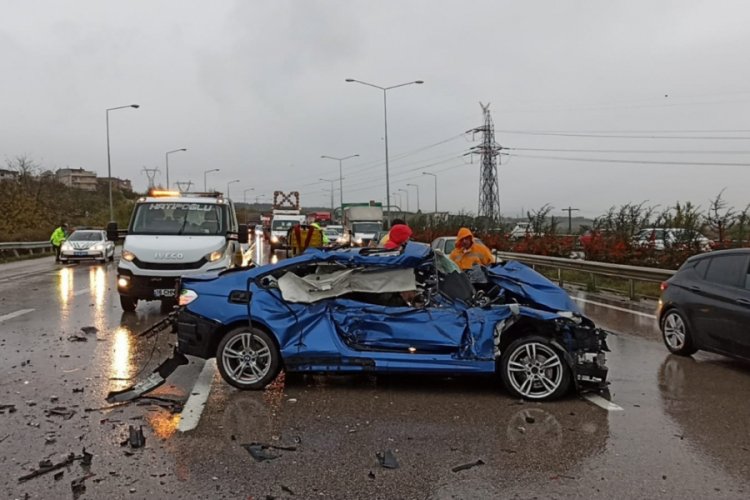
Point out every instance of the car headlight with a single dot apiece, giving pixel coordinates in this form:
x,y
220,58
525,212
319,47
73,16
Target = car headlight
x,y
274,239
123,281
66,246
358,241
128,255
215,255
97,247
187,296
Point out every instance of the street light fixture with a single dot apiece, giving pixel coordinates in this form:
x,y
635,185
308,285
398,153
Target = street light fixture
x,y
400,201
416,186
332,190
385,121
231,182
109,162
244,194
435,176
407,201
205,189
341,179
166,156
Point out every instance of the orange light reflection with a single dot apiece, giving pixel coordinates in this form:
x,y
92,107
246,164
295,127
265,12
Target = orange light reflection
x,y
163,423
121,347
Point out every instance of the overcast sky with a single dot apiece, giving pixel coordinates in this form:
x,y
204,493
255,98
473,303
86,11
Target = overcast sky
x,y
256,88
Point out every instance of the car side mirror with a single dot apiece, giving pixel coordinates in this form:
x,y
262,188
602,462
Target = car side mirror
x,y
242,235
112,231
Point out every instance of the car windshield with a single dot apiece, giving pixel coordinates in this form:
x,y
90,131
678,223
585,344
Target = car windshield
x,y
179,218
282,225
450,245
366,227
86,236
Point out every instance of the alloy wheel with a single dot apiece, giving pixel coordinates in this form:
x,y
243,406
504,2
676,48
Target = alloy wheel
x,y
247,358
535,370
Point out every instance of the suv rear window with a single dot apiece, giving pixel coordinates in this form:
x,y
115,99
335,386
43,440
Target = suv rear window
x,y
727,270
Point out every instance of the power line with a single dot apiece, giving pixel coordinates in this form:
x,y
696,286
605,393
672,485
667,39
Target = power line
x,y
637,162
613,136
629,151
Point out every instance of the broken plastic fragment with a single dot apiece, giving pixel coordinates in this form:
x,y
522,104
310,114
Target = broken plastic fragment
x,y
136,439
89,330
157,378
467,466
258,452
387,460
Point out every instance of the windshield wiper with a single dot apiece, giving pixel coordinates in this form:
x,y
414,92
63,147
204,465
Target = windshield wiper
x,y
182,227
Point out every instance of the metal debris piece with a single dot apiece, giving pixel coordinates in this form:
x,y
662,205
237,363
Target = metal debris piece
x,y
89,330
77,338
136,439
371,475
77,389
46,466
461,467
157,378
287,489
8,407
59,475
78,486
259,452
387,459
60,411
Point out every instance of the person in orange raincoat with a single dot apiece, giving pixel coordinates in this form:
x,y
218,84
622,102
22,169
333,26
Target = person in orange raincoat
x,y
468,251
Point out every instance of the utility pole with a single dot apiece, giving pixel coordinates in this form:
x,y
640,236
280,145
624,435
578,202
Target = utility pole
x,y
151,174
570,211
489,183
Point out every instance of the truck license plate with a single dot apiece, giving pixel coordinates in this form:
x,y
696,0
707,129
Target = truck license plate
x,y
164,292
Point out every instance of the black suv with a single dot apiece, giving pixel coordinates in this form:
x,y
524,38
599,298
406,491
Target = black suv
x,y
706,305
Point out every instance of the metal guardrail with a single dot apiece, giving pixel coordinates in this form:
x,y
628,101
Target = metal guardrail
x,y
15,247
632,274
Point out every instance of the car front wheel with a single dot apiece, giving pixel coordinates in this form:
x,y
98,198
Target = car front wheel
x,y
676,335
533,368
248,358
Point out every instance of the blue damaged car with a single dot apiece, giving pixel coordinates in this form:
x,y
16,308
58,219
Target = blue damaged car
x,y
369,310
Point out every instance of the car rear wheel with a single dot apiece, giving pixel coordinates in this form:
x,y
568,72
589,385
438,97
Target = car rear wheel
x,y
248,358
128,304
532,368
676,335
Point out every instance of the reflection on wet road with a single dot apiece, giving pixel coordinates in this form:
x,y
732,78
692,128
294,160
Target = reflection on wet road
x,y
683,431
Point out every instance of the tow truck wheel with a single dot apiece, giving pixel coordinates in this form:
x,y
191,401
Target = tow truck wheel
x,y
248,358
533,368
128,303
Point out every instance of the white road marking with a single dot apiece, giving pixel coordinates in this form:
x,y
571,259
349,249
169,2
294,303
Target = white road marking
x,y
616,308
191,413
15,314
602,403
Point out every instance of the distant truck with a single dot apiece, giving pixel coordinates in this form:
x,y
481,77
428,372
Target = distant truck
x,y
173,234
323,218
285,214
362,222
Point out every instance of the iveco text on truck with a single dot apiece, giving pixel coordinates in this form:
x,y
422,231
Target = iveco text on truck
x,y
172,234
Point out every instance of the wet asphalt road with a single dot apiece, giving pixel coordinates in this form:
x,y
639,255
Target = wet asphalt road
x,y
683,431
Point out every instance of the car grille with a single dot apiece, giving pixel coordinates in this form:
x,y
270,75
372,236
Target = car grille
x,y
168,266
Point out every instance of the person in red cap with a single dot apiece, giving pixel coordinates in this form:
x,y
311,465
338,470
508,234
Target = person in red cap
x,y
398,236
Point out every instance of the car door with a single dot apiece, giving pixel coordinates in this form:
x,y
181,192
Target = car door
x,y
721,314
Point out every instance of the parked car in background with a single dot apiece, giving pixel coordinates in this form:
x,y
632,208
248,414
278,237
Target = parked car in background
x,y
373,311
521,230
87,244
706,305
663,238
446,244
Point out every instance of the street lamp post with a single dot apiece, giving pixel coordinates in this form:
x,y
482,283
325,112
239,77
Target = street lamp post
x,y
408,209
244,194
385,121
400,201
109,162
205,189
416,186
166,157
341,179
435,177
332,190
231,182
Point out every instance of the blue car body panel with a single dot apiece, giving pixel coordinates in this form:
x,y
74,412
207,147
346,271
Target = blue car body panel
x,y
341,334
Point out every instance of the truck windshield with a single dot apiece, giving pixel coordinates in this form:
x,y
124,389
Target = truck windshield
x,y
179,218
365,227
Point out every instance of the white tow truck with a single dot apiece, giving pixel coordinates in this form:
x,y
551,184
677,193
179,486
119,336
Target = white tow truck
x,y
172,234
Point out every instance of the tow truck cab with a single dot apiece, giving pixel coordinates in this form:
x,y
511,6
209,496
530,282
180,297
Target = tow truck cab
x,y
173,234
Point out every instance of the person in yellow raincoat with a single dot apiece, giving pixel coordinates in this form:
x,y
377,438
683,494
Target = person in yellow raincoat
x,y
469,251
57,238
